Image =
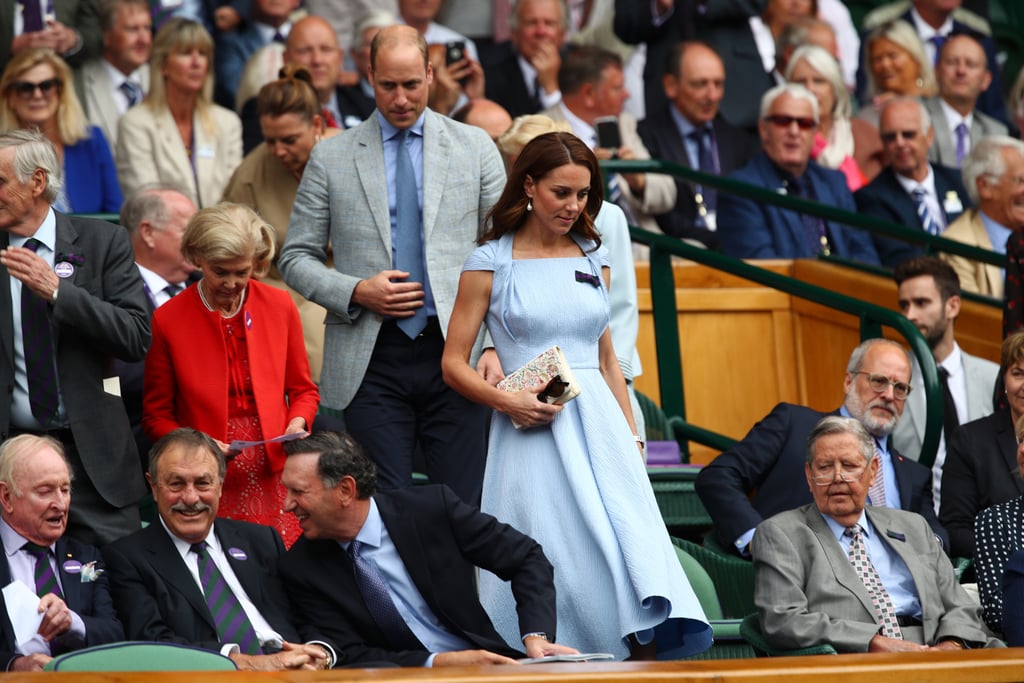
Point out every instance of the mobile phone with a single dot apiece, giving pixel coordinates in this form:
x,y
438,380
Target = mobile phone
x,y
608,135
455,51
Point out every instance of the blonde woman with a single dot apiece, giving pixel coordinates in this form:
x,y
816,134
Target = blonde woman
x,y
38,93
177,135
897,65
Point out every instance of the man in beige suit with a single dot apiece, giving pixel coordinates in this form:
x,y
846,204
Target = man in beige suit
x,y
994,177
111,84
593,86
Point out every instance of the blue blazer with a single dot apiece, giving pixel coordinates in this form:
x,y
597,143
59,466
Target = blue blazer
x,y
886,199
90,175
233,50
748,229
768,464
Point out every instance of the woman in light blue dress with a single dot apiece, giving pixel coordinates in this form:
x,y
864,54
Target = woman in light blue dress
x,y
574,478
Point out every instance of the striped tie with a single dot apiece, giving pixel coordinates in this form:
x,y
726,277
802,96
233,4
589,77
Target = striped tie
x,y
233,626
928,221
876,494
46,580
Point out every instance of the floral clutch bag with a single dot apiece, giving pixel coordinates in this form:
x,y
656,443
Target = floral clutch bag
x,y
549,369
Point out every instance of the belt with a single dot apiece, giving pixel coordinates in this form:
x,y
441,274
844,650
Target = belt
x,y
908,621
63,434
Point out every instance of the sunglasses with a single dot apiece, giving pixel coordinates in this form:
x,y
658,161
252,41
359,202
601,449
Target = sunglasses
x,y
783,121
890,136
27,89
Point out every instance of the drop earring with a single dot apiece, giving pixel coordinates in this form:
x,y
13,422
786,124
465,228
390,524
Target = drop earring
x,y
529,204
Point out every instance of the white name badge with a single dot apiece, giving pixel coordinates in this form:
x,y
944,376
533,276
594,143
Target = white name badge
x,y
952,203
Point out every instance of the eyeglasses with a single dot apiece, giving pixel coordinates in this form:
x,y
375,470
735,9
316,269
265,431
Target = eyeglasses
x,y
27,88
825,475
783,121
879,383
891,135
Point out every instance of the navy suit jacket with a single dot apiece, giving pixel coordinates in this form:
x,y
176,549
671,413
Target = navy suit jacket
x,y
159,600
885,198
505,84
90,600
661,137
763,475
441,541
233,50
749,229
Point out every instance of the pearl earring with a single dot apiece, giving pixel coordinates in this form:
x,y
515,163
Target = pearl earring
x,y
529,205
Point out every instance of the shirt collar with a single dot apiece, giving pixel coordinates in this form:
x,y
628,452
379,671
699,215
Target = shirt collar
x,y
45,233
909,184
997,233
117,77
954,117
12,540
954,362
388,131
184,547
925,30
583,130
372,530
156,283
838,529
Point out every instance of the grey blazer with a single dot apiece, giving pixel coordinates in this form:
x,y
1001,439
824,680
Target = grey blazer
x,y
807,592
343,200
942,150
96,93
981,380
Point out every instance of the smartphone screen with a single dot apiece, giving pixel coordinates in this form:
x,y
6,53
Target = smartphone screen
x,y
608,136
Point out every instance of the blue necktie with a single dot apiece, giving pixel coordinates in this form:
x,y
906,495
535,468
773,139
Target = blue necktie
x,y
408,231
928,221
378,601
132,92
37,338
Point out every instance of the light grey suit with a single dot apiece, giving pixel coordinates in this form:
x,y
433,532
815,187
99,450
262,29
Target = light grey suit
x,y
807,592
343,199
942,150
980,376
97,94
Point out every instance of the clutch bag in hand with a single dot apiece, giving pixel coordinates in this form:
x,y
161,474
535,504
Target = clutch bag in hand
x,y
549,369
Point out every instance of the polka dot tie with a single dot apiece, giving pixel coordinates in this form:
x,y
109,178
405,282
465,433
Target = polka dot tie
x,y
884,610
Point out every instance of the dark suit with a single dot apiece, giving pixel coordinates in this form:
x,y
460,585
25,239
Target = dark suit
x,y
131,395
90,600
440,540
100,315
808,593
81,15
752,230
769,462
158,599
724,25
661,137
885,198
233,50
505,84
980,471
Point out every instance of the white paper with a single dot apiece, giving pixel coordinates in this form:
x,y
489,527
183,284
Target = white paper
x,y
582,657
112,385
23,610
238,445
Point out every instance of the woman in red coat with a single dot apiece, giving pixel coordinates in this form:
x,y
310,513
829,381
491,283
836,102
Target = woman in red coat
x,y
228,359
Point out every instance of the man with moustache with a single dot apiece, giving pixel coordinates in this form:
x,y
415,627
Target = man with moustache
x,y
862,578
759,476
166,578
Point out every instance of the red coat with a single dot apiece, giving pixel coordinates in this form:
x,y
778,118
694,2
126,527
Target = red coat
x,y
187,374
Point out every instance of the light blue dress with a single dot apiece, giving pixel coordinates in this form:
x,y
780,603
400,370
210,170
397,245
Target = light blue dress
x,y
578,486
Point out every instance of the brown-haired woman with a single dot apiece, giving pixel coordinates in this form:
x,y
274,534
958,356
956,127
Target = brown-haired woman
x,y
573,478
268,178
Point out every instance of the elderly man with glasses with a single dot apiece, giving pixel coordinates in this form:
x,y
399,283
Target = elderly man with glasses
x,y
859,577
761,475
754,230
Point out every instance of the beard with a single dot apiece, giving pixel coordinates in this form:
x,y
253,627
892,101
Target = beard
x,y
876,426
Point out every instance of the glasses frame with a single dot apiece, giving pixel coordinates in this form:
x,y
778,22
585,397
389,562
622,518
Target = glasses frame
x,y
804,123
897,387
845,477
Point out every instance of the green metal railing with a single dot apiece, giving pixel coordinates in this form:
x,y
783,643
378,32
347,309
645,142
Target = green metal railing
x,y
872,317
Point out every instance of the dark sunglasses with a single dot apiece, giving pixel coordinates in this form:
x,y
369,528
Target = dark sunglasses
x,y
783,121
555,388
27,89
890,136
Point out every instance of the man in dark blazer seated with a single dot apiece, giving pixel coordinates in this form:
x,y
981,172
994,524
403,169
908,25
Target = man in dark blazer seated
x,y
160,576
361,549
859,577
754,230
761,475
88,308
907,134
77,612
690,131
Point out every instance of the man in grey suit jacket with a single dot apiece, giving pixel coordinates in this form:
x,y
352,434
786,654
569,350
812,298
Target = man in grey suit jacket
x,y
90,293
110,85
962,73
929,295
385,377
807,590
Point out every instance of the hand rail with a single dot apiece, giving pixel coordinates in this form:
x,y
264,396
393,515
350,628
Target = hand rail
x,y
666,327
770,196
